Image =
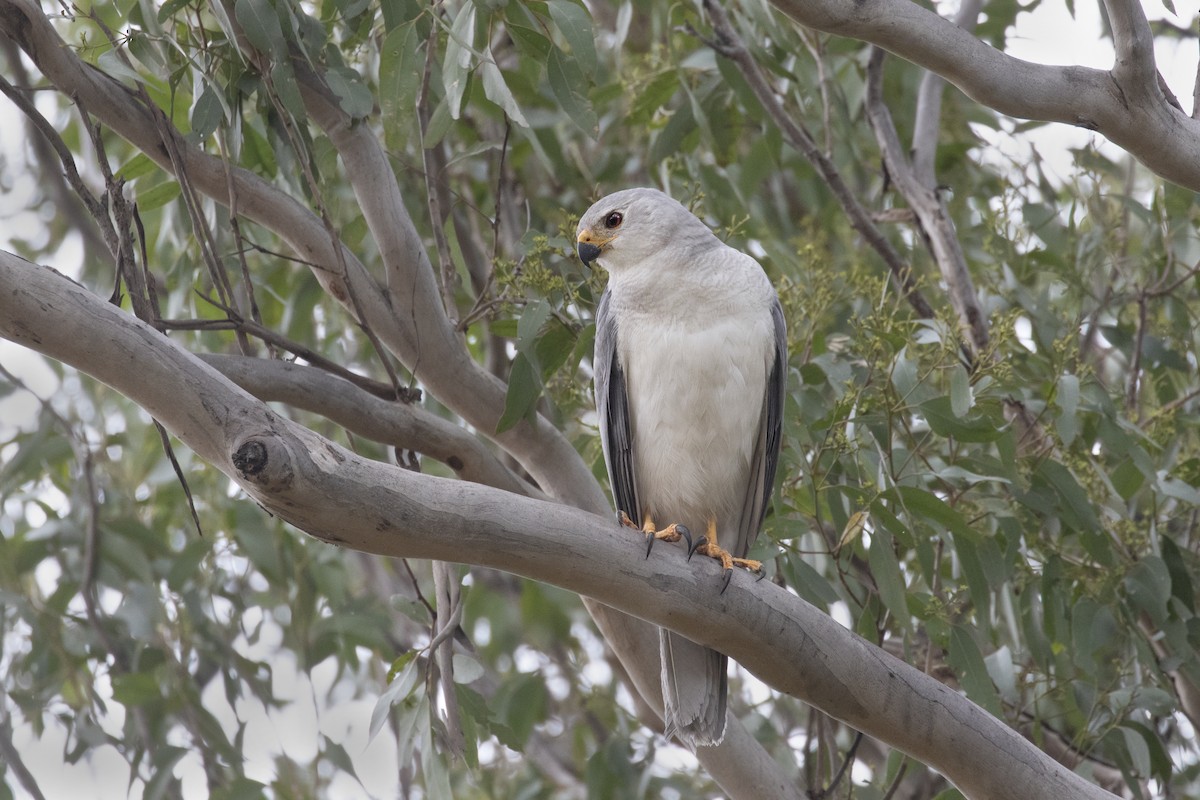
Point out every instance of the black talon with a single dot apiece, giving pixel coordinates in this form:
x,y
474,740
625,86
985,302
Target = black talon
x,y
762,573
686,534
649,543
728,577
694,546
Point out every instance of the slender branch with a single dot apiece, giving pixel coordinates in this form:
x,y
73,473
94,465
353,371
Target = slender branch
x,y
730,45
938,229
927,119
436,187
1133,382
275,339
441,647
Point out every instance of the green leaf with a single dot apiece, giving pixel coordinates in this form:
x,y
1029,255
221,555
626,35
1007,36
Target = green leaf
x,y
944,422
904,374
207,114
399,81
1181,579
521,704
399,689
524,389
1149,586
261,26
964,656
156,196
1075,506
1067,398
553,347
168,9
926,504
467,669
530,43
670,138
575,24
1178,489
456,63
352,8
497,90
569,85
112,64
1127,478
653,96
283,79
136,167
136,689
164,783
961,398
353,96
885,569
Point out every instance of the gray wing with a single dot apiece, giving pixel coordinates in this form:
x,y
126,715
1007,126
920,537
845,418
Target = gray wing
x,y
612,406
766,449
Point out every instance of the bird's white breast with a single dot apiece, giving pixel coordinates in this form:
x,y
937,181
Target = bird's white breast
x,y
696,360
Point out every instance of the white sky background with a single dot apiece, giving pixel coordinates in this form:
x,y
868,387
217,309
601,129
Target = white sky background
x,y
1049,35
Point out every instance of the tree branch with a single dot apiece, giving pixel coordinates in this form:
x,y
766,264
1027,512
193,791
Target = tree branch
x,y
935,223
398,424
1133,65
342,498
928,116
1158,134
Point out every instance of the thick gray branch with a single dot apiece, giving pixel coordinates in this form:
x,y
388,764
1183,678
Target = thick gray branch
x,y
1114,103
1133,41
399,424
342,498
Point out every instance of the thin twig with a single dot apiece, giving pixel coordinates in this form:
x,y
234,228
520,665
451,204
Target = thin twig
x,y
1134,382
435,176
441,647
377,388
187,490
935,224
729,44
841,773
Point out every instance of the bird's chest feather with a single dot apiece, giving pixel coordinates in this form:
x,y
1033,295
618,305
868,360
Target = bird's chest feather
x,y
695,385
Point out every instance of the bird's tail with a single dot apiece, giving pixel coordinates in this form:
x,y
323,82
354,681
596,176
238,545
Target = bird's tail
x,y
694,687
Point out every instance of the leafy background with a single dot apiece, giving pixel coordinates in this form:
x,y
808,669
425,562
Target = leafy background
x,y
1025,529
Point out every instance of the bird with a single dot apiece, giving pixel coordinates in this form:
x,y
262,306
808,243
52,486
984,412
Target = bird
x,y
689,374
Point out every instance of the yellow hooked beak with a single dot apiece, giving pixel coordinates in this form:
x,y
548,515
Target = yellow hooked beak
x,y
590,246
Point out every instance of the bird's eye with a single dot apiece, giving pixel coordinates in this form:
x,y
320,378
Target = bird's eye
x,y
613,220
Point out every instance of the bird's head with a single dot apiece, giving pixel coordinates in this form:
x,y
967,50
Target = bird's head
x,y
628,228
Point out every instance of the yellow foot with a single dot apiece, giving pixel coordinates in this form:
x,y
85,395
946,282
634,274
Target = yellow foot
x,y
707,546
671,533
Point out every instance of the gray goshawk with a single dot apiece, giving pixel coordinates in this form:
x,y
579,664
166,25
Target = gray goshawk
x,y
690,371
